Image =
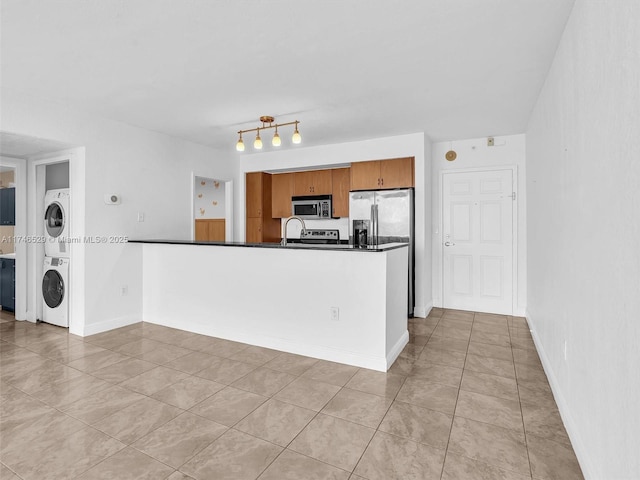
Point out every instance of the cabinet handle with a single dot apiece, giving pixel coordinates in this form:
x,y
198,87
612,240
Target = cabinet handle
x,y
382,181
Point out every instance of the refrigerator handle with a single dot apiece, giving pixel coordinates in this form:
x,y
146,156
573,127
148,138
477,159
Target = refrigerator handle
x,y
374,224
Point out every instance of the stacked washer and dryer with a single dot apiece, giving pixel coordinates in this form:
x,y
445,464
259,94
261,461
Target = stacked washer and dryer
x,y
55,278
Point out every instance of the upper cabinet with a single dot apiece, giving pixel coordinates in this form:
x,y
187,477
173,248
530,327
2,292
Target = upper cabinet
x,y
254,204
282,186
7,206
314,182
334,182
382,174
340,179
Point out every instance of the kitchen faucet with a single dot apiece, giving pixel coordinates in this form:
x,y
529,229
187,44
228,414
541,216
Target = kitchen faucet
x,y
284,236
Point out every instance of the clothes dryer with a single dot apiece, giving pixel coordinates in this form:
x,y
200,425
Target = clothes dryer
x,y
55,291
56,223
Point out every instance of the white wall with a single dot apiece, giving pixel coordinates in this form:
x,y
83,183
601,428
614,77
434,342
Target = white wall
x,y
583,183
412,145
508,151
150,171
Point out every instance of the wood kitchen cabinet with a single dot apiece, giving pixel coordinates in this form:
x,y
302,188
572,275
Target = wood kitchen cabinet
x,y
313,182
210,230
340,180
282,191
382,174
254,195
260,226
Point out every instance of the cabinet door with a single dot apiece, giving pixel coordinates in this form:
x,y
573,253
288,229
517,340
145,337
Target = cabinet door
x,y
396,173
365,175
254,230
254,194
313,182
340,180
303,183
7,206
217,230
282,190
202,231
7,280
321,182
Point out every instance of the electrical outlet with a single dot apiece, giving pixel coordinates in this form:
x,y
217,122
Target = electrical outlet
x,y
124,291
140,216
334,313
490,142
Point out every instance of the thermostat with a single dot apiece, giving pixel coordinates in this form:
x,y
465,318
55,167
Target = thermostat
x,y
112,199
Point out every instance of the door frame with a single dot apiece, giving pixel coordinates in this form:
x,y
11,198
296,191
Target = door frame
x,y
228,208
76,216
19,166
439,250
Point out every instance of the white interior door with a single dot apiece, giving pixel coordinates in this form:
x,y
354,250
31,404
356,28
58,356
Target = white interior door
x,y
478,241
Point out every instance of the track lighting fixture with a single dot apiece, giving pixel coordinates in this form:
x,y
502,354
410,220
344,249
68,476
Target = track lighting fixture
x,y
267,122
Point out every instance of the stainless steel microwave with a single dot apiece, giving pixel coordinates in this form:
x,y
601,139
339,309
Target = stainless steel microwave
x,y
311,207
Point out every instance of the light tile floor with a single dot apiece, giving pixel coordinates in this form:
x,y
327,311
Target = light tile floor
x,y
467,399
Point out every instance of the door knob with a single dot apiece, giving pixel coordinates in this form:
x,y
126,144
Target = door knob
x,y
449,244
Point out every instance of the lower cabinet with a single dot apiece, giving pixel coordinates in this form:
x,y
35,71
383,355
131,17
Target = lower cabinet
x,y
8,284
210,230
254,230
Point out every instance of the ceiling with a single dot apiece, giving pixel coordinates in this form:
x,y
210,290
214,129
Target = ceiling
x,y
348,70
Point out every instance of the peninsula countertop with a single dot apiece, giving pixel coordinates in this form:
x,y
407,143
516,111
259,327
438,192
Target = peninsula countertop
x,y
292,246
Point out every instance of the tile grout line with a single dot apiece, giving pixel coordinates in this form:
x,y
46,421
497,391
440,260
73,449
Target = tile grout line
x,y
453,416
524,430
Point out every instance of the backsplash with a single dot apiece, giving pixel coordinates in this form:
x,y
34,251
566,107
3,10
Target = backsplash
x,y
341,224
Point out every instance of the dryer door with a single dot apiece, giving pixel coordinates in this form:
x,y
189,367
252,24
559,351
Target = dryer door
x,y
54,220
52,288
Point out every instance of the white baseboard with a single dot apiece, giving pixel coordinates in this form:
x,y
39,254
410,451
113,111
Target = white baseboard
x,y
520,312
579,448
422,311
396,350
106,325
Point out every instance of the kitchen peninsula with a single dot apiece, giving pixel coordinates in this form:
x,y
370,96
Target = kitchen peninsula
x,y
334,302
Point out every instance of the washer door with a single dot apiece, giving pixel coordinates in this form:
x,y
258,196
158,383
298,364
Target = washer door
x,y
54,220
52,288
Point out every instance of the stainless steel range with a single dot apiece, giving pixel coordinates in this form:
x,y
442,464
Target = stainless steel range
x,y
309,236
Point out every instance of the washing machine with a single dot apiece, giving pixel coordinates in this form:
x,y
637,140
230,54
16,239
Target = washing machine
x,y
56,223
55,291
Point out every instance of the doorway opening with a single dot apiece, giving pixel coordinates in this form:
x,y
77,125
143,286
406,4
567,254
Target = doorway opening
x,y
212,209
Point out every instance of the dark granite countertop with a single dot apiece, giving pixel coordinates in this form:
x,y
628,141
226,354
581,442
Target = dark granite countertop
x,y
290,246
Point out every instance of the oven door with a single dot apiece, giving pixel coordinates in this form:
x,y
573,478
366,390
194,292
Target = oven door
x,y
305,209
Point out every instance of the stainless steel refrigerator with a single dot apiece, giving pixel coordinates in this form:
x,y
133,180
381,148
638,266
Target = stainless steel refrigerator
x,y
387,216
